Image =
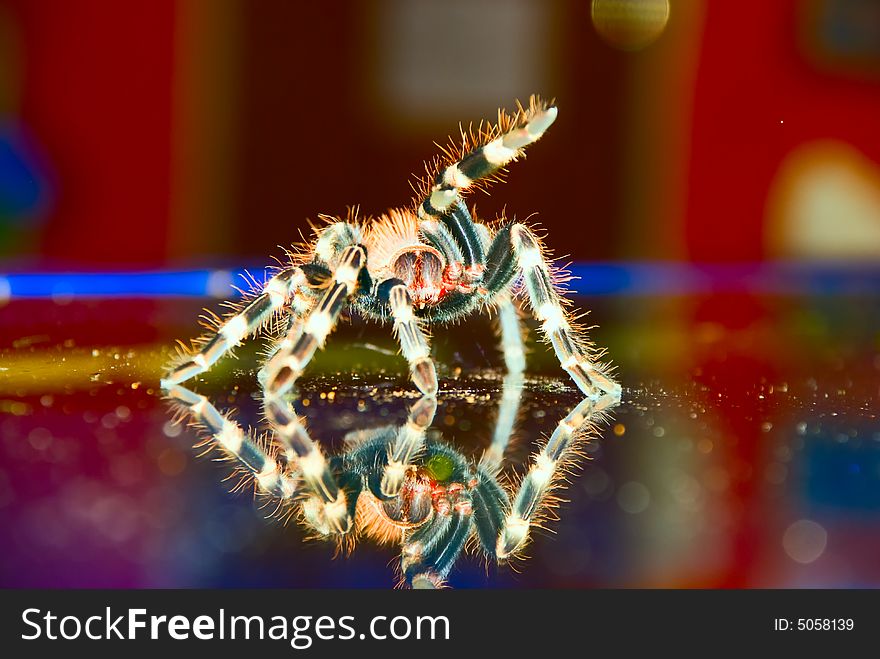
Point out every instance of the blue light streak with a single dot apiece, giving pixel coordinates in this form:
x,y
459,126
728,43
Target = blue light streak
x,y
593,279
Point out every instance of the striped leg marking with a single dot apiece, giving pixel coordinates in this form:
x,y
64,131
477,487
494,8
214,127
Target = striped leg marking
x,y
277,292
413,342
327,510
288,363
431,551
440,237
294,331
268,474
331,513
486,160
407,445
544,474
547,307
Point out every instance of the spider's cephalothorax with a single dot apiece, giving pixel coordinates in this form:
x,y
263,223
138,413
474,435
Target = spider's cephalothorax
x,y
427,264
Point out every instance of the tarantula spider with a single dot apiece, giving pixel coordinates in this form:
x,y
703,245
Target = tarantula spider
x,y
445,498
429,263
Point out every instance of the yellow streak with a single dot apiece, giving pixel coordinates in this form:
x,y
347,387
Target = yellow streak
x,y
82,368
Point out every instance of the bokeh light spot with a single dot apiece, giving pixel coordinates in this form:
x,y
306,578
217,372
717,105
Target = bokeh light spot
x,y
804,541
630,24
633,497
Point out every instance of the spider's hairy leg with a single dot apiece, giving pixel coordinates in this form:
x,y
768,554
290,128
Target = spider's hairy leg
x,y
491,507
440,237
460,240
413,342
408,444
286,366
571,349
511,336
291,335
547,469
329,500
276,293
501,146
514,358
288,363
268,474
490,499
335,238
301,305
431,551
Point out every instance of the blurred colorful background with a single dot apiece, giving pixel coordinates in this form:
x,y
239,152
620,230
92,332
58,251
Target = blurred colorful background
x,y
713,177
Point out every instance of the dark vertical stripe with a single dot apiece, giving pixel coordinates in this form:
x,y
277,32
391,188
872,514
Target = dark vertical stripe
x,y
384,289
332,302
251,456
258,308
541,285
461,226
490,504
500,263
562,342
451,549
410,333
530,495
357,256
443,242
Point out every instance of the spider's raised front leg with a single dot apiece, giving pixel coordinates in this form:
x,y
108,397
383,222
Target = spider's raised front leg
x,y
446,221
329,511
270,476
502,145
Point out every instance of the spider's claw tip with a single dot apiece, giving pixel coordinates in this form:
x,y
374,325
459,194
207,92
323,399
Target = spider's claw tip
x,y
512,537
342,525
426,581
425,376
543,121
